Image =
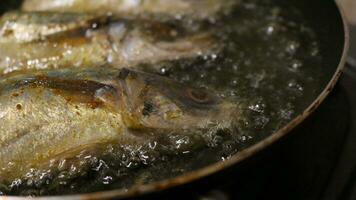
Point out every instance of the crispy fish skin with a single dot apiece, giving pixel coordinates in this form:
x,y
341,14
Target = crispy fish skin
x,y
124,43
53,114
77,51
194,9
18,27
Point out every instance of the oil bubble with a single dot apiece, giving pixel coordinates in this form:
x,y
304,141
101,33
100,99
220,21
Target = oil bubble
x,y
292,47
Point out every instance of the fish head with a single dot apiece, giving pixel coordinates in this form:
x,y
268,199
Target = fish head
x,y
154,102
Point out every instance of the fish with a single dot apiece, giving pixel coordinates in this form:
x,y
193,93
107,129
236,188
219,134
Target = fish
x,y
193,9
73,42
74,51
47,115
22,27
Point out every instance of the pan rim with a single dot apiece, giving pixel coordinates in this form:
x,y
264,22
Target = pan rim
x,y
237,158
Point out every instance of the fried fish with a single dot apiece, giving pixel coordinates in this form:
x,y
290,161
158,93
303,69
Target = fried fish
x,y
28,41
52,114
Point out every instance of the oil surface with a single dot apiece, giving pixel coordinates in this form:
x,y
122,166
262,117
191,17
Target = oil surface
x,y
268,64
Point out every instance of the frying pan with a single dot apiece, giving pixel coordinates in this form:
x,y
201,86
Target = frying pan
x,y
329,23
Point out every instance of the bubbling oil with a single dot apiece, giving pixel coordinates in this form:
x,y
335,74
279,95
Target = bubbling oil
x,y
269,62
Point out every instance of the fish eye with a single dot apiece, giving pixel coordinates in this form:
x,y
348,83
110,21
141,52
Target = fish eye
x,y
147,109
199,96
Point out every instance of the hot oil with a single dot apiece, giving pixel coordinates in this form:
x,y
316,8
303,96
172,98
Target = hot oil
x,y
269,64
